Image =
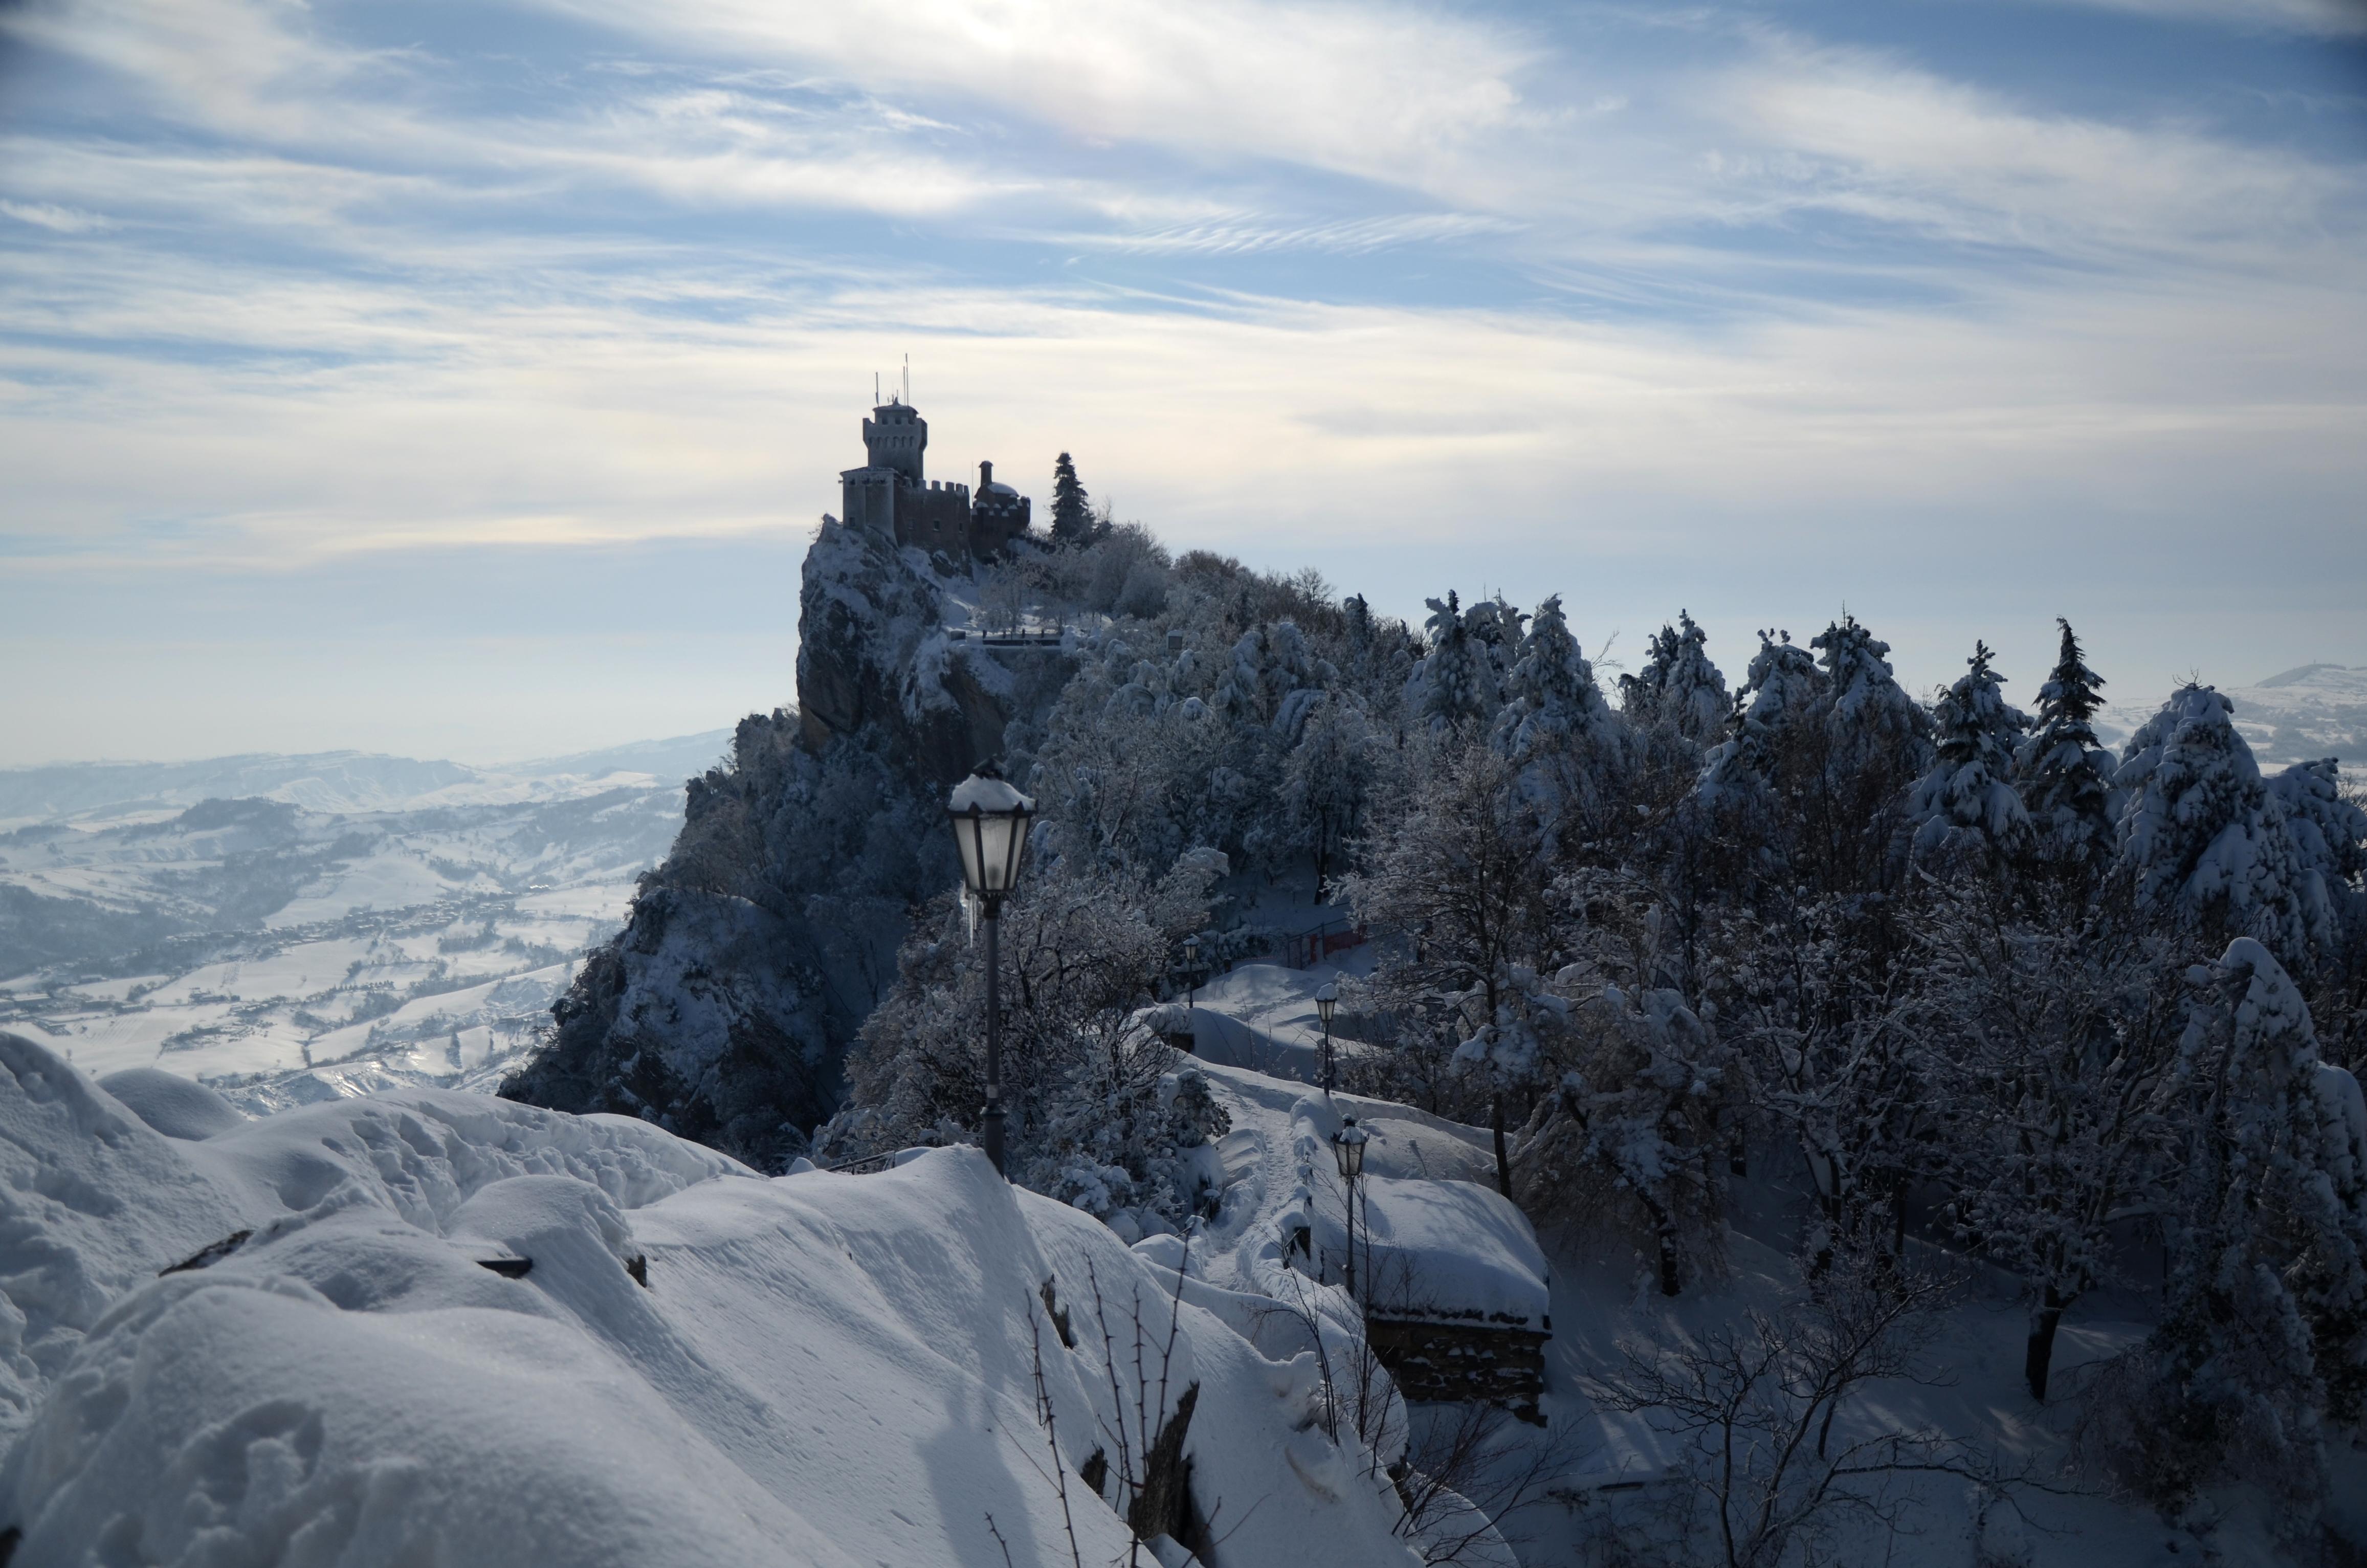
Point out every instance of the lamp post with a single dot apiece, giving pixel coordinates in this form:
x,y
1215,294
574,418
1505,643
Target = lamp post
x,y
990,819
1191,971
1327,1001
1348,1150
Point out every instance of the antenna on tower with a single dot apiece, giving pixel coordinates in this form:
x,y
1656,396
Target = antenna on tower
x,y
875,389
908,379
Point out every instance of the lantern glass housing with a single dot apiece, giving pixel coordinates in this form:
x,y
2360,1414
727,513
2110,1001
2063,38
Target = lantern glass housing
x,y
1192,950
990,820
1348,1149
1327,1001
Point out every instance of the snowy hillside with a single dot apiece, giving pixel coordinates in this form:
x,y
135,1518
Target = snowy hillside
x,y
2315,710
291,928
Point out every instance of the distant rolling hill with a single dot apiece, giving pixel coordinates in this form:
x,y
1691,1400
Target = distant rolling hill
x,y
297,927
2301,715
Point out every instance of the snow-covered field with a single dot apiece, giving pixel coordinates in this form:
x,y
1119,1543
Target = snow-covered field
x,y
294,928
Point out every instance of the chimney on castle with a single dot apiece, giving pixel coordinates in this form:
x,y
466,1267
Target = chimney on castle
x,y
985,474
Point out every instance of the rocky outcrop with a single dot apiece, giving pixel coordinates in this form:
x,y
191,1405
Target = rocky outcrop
x,y
754,953
876,666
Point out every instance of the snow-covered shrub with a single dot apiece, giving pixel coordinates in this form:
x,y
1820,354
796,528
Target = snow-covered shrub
x,y
1131,1128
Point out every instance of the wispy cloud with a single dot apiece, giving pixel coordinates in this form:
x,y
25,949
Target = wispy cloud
x,y
1246,234
61,220
1387,92
2330,17
1857,132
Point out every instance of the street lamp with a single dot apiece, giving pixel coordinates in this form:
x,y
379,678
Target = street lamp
x,y
1348,1150
1191,971
1327,1002
990,820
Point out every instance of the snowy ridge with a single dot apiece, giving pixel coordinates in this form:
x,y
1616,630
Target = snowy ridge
x,y
821,1368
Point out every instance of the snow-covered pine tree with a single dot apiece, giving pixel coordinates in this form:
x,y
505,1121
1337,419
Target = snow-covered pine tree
x,y
1964,809
2263,1334
2328,832
2204,837
1550,695
1454,691
2065,774
1876,727
1876,742
1073,511
1678,686
1561,738
1494,628
1781,691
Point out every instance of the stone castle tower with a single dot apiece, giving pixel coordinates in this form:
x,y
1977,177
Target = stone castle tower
x,y
890,496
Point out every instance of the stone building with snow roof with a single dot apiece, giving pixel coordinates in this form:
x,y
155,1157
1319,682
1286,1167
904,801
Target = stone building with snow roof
x,y
890,496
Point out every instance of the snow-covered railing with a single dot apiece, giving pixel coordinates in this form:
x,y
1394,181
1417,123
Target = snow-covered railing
x,y
869,1165
1305,949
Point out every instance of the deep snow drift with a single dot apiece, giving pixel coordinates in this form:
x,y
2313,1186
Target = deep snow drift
x,y
821,1368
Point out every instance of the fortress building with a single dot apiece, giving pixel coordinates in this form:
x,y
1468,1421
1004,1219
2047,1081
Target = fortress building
x,y
889,496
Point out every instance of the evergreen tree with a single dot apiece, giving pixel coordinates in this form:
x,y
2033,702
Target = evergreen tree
x,y
1966,806
2207,840
2265,1325
1556,730
2328,834
1880,736
2065,774
1780,691
1678,685
1454,689
1072,512
1550,695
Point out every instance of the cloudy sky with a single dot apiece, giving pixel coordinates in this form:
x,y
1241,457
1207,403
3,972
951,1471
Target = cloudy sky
x,y
465,376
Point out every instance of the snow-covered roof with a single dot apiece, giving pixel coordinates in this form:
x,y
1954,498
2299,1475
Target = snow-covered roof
x,y
988,795
1441,1252
1450,1250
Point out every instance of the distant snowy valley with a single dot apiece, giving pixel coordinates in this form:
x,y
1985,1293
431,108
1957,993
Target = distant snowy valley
x,y
297,929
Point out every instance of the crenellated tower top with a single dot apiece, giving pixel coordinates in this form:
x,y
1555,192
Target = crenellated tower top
x,y
895,436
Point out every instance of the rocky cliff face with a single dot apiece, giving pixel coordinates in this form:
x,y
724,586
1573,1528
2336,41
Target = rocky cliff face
x,y
875,664
754,952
